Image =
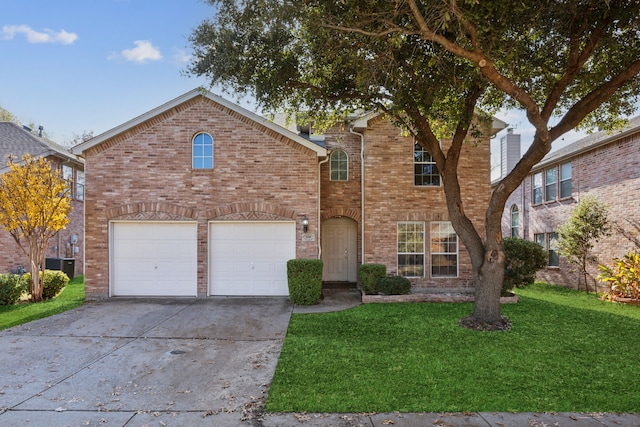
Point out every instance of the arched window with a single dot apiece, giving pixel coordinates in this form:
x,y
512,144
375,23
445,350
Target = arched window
x,y
339,166
515,221
202,151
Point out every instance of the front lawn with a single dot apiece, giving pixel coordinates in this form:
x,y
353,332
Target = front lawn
x,y
71,297
567,351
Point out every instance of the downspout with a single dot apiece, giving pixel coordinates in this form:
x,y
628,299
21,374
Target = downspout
x,y
361,191
320,163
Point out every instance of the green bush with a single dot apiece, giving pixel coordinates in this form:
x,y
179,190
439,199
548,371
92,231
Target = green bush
x,y
12,286
394,285
54,283
370,275
305,280
523,260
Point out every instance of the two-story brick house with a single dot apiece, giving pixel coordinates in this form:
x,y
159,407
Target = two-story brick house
x,y
68,244
202,197
604,165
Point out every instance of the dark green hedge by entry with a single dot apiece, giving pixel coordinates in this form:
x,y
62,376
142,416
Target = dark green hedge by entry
x,y
394,285
370,275
305,281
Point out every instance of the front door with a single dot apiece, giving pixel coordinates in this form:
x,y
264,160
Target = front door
x,y
339,250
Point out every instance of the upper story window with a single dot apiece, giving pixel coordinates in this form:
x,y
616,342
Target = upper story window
x,y
552,184
80,185
515,221
425,170
565,180
202,151
339,166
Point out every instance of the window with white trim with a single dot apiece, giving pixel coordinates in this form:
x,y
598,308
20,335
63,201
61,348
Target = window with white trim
x,y
551,184
411,249
536,186
424,168
80,185
515,221
202,146
444,250
565,180
549,241
67,175
339,166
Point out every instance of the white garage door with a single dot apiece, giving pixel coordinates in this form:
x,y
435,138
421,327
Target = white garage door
x,y
250,258
154,258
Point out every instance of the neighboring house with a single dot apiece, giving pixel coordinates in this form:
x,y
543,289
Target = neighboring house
x,y
16,141
603,165
201,197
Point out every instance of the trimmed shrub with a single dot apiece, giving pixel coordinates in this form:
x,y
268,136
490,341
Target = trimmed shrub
x,y
370,275
523,259
304,277
394,285
54,283
12,286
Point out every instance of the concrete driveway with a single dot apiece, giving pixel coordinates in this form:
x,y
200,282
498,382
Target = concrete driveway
x,y
133,362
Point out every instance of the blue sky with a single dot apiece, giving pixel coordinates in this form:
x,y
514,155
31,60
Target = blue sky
x,y
91,65
76,65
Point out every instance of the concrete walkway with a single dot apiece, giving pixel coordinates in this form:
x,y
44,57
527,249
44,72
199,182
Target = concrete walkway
x,y
185,362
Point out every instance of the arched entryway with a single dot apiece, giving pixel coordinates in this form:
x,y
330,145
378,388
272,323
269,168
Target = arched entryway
x,y
340,250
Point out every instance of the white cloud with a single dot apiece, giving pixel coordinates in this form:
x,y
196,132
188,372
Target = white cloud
x,y
33,36
143,52
181,57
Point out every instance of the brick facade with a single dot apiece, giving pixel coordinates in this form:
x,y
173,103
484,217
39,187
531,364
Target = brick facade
x,y
142,171
145,173
606,166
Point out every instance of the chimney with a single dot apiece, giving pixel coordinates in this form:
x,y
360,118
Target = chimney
x,y
40,129
509,152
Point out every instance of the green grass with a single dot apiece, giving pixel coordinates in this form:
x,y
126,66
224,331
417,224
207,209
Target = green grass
x,y
567,351
71,296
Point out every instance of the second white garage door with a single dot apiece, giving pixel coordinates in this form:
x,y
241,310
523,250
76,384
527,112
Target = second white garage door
x,y
250,258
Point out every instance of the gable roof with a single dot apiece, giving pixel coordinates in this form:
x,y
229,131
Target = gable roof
x,y
589,143
17,141
81,148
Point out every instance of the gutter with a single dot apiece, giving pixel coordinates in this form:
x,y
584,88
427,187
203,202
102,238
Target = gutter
x,y
361,191
320,163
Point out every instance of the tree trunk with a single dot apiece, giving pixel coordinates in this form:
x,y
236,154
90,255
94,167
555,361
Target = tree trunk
x,y
487,313
35,262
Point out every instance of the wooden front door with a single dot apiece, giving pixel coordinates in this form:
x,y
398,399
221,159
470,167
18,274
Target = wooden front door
x,y
339,250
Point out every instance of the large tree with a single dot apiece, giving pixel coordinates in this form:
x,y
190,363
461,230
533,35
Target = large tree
x,y
430,65
34,206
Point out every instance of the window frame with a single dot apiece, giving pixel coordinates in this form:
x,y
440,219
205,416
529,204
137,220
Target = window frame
x,y
68,172
340,162
551,188
203,155
549,242
446,253
537,186
80,184
515,213
406,254
563,179
421,162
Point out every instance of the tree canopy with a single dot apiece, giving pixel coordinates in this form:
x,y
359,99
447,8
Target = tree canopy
x,y
433,66
34,206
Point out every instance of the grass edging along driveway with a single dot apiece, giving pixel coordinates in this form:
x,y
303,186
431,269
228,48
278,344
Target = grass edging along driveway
x,y
567,351
72,296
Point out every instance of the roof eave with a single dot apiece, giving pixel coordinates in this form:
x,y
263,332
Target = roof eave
x,y
81,148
